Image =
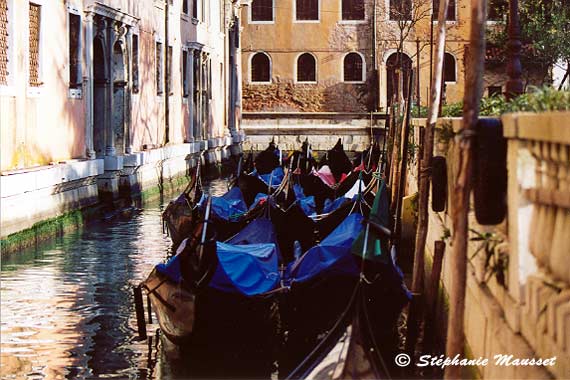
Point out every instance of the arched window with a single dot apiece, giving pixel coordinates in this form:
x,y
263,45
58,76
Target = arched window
x,y
260,68
353,9
449,71
353,68
306,68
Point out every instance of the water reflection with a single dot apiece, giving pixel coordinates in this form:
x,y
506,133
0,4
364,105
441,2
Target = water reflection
x,y
66,306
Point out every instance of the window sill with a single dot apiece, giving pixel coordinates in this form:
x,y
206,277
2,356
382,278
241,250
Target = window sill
x,y
262,22
8,91
352,22
354,82
306,21
74,93
185,100
184,16
260,83
309,83
35,92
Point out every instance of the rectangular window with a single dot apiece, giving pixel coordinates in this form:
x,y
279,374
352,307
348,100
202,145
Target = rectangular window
x,y
194,8
494,90
450,10
262,10
34,50
497,9
353,9
400,10
185,73
196,93
307,10
169,71
4,43
74,51
135,63
185,6
158,69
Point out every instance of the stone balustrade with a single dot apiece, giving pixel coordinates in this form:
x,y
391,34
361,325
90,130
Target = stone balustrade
x,y
539,215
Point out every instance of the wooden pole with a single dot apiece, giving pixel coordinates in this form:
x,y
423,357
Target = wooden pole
x,y
432,295
425,173
514,46
462,186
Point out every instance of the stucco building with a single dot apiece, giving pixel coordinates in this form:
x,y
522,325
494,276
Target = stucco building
x,y
345,55
101,95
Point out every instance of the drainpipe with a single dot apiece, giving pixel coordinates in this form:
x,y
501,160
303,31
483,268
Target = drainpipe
x,y
376,73
166,74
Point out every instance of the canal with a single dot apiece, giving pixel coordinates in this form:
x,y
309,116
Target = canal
x,y
67,310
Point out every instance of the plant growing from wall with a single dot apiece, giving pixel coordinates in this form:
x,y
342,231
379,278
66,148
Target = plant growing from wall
x,y
496,261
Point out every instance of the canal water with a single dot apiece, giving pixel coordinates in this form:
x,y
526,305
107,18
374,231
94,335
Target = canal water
x,y
67,309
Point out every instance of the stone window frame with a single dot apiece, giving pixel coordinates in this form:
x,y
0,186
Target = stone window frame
x,y
362,57
186,93
448,54
388,7
361,21
296,68
9,89
135,79
447,21
250,71
76,92
297,21
159,66
250,15
35,91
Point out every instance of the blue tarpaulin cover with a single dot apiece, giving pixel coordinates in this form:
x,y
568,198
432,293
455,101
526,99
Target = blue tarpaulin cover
x,y
307,204
250,269
171,269
229,206
331,206
276,176
332,255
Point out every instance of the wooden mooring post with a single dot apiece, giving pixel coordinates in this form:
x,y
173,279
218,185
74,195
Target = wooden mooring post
x,y
462,186
424,186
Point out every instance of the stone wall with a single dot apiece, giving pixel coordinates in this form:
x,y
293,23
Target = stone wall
x,y
526,315
322,97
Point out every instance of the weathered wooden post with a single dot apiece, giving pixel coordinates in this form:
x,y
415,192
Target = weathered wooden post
x,y
425,174
514,46
462,186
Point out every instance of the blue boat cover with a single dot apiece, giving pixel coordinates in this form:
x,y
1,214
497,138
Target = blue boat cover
x,y
259,231
331,206
276,176
249,269
229,206
307,204
332,255
171,269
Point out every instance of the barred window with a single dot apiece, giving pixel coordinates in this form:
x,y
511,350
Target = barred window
x,y
185,86
353,67
353,9
307,10
34,45
135,63
306,68
194,9
400,10
262,10
74,51
169,71
158,68
450,10
4,41
260,68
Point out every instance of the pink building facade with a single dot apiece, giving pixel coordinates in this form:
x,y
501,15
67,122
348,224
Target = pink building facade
x,y
95,91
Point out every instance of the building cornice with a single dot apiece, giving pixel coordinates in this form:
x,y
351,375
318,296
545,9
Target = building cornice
x,y
112,13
